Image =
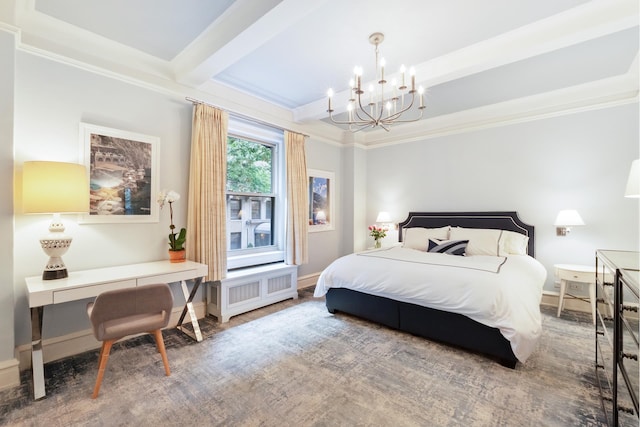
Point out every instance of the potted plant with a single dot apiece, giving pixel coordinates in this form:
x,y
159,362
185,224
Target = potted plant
x,y
176,240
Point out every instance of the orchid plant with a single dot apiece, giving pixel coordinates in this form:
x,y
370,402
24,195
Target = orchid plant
x,y
176,240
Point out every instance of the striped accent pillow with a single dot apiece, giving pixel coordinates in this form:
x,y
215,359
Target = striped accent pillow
x,y
451,247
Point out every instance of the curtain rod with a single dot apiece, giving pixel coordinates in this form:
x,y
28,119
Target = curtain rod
x,y
242,116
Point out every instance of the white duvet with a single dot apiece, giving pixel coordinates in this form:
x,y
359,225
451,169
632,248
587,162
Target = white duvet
x,y
500,292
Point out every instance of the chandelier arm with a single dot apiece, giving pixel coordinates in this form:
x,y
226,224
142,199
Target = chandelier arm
x,y
397,114
408,120
363,110
362,120
339,122
361,127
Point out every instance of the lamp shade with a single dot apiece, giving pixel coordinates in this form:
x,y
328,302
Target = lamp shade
x,y
383,217
54,187
567,218
633,183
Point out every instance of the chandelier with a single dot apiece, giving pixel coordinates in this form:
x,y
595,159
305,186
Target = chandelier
x,y
383,105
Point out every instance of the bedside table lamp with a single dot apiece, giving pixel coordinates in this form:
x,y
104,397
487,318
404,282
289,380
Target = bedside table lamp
x,y
54,188
565,220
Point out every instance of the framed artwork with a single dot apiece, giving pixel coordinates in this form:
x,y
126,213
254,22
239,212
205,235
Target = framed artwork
x,y
321,206
123,175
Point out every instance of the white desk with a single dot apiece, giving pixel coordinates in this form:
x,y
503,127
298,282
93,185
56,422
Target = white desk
x,y
89,283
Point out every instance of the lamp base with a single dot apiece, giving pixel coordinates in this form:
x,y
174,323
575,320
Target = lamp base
x,y
55,244
54,274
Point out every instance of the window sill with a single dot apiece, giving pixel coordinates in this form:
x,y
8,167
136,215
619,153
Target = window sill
x,y
249,260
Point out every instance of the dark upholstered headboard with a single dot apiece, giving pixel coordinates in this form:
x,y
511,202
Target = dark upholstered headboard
x,y
494,220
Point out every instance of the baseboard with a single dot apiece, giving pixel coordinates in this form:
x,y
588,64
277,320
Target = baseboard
x,y
308,280
9,374
78,342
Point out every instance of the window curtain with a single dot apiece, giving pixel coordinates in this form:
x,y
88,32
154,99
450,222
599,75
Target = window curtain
x,y
297,199
207,215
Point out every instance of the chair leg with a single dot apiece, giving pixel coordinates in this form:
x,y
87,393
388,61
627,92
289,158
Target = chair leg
x,y
157,334
104,358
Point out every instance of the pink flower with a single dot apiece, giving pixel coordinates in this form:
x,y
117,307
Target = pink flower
x,y
377,232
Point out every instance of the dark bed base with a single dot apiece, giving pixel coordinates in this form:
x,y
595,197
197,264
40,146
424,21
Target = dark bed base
x,y
449,328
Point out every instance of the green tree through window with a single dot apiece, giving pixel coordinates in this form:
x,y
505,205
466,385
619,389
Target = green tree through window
x,y
248,166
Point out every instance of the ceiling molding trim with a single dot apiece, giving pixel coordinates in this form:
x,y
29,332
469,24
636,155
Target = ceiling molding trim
x,y
606,93
190,65
47,33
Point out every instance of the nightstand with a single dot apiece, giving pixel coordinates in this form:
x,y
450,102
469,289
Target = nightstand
x,y
579,274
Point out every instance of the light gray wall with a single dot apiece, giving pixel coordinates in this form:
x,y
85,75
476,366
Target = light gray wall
x,y
7,76
324,246
51,100
579,161
355,199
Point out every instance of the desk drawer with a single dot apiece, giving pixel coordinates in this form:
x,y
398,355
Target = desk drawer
x,y
168,277
90,291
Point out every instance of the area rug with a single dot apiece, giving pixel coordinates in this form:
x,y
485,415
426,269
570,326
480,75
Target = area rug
x,y
295,364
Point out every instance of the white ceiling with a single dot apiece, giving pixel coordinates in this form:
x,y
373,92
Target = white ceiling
x,y
470,54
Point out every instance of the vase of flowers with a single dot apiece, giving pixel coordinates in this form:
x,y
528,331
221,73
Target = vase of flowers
x,y
177,252
378,233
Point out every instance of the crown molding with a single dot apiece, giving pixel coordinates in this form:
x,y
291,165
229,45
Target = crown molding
x,y
605,93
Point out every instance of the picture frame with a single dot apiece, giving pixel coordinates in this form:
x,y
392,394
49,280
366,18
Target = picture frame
x,y
321,200
123,170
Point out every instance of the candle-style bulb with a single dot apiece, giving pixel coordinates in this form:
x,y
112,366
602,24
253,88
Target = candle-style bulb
x,y
412,73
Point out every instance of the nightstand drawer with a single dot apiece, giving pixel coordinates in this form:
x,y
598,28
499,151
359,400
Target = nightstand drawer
x,y
576,276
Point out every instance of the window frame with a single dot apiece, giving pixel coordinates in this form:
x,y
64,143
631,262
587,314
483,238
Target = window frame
x,y
260,134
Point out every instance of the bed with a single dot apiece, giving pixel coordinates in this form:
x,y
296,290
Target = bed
x,y
505,327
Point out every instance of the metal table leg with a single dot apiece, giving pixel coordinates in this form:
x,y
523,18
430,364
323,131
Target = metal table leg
x,y
37,361
188,307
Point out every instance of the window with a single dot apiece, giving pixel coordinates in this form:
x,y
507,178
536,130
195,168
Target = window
x,y
234,240
255,196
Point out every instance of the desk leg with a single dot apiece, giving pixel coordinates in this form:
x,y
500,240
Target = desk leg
x,y
37,361
188,307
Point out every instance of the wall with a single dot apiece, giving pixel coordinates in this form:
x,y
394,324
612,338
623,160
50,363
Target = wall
x,y
324,245
51,100
579,161
9,375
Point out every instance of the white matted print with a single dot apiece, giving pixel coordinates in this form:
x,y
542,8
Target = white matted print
x,y
123,175
321,204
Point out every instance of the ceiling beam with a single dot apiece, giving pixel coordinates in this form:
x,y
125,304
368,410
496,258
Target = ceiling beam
x,y
243,28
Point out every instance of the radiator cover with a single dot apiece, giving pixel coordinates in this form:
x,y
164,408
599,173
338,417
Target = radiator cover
x,y
250,288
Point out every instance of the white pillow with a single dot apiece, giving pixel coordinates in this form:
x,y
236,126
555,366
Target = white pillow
x,y
482,241
418,237
512,243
